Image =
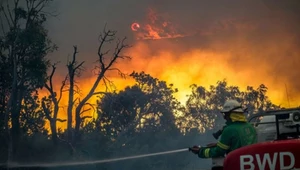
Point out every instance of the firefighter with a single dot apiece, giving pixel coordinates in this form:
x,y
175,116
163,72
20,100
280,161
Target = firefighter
x,y
237,133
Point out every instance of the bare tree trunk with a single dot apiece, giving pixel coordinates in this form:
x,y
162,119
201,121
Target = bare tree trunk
x,y
16,132
104,65
72,68
14,123
53,123
53,131
9,111
12,108
52,120
53,97
78,111
70,108
15,53
13,135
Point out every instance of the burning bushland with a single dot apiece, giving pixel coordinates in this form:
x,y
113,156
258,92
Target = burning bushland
x,y
169,88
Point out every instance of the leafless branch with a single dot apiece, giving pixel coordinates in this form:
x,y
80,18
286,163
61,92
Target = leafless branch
x,y
41,4
74,56
96,70
76,100
78,66
85,111
106,36
73,68
90,108
76,89
9,22
85,117
108,83
51,76
99,92
119,47
9,10
38,7
61,88
61,120
119,72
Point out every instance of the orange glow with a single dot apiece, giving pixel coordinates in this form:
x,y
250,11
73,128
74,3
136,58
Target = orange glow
x,y
234,58
156,27
203,67
84,85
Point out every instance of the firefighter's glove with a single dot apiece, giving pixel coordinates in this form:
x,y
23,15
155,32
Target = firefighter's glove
x,y
195,149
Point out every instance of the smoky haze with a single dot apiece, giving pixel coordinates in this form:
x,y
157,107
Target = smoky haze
x,y
257,39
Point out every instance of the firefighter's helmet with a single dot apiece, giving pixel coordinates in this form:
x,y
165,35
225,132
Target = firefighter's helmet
x,y
232,106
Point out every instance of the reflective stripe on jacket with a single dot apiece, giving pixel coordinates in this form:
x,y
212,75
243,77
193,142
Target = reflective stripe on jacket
x,y
236,134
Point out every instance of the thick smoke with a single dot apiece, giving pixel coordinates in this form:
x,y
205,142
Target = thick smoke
x,y
256,41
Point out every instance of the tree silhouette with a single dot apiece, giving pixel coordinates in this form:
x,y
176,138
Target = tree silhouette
x,y
203,106
24,46
50,104
139,119
32,119
149,105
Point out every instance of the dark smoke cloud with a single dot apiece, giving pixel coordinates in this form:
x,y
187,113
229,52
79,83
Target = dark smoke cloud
x,y
261,35
79,22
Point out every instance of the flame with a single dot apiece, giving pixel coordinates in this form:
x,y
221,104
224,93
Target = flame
x,y
238,59
203,67
157,27
84,85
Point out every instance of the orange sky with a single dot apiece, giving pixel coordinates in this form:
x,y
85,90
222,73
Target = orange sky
x,y
245,52
203,67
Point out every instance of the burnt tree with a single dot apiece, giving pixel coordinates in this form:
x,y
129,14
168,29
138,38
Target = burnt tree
x,y
50,104
104,64
73,71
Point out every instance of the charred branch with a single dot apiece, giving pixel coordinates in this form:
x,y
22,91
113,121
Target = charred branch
x,y
119,72
92,107
61,88
73,66
49,86
74,70
85,111
85,117
61,120
107,36
55,100
108,84
99,92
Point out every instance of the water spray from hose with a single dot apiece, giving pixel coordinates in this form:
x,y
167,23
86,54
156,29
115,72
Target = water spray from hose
x,y
16,165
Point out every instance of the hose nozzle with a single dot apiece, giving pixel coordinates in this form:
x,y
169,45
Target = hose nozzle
x,y
191,148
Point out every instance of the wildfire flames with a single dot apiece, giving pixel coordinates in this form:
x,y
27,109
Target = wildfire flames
x,y
156,27
212,57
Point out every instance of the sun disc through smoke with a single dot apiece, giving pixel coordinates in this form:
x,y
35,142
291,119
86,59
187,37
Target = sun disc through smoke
x,y
135,26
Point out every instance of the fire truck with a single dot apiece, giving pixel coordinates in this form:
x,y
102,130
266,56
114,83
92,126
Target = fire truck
x,y
278,146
